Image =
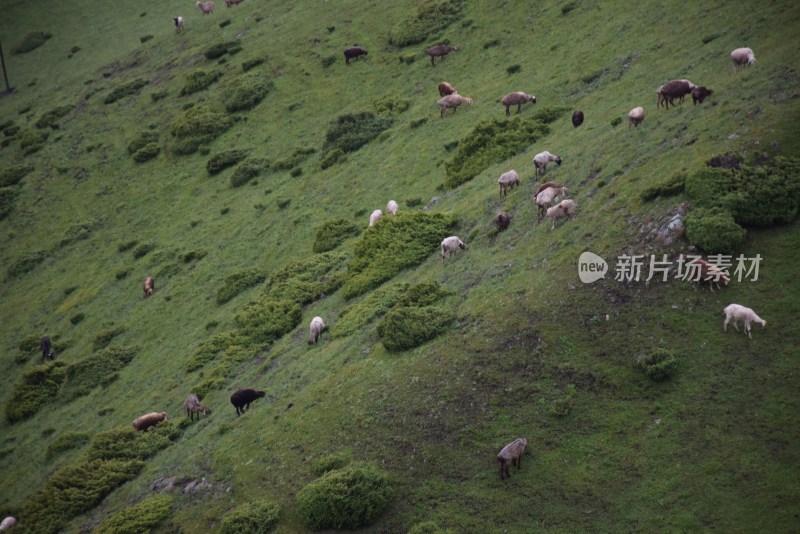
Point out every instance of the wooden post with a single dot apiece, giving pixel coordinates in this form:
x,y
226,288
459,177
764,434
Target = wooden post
x,y
9,89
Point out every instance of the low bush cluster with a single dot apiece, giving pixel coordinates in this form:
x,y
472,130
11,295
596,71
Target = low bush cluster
x,y
79,232
303,281
143,250
294,159
390,106
198,80
141,140
141,517
65,442
331,157
248,170
430,18
219,162
404,328
7,197
251,63
26,263
198,126
246,91
672,186
331,462
99,369
103,337
238,282
374,305
333,233
714,230
146,153
33,141
220,49
124,90
659,365
351,131
251,518
50,119
35,389
264,321
125,443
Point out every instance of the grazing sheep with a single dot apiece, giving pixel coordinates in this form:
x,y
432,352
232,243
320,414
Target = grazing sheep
x,y
502,221
374,217
511,454
440,50
392,207
146,421
635,117
452,101
193,406
708,273
206,7
671,90
507,181
315,330
738,313
450,245
47,349
7,523
178,23
149,286
545,195
354,52
700,93
229,3
541,160
517,98
242,398
741,57
577,118
446,89
565,208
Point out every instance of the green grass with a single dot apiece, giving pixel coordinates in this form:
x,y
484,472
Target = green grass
x,y
530,350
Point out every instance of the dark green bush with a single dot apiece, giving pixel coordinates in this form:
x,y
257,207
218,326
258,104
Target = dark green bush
x,y
141,517
31,41
124,90
422,294
416,123
220,49
127,245
78,317
199,80
102,338
513,69
283,203
353,130
327,61
37,388
65,442
198,126
408,327
33,140
193,255
248,170
264,321
143,250
14,175
51,118
331,462
238,282
431,17
674,185
212,348
297,156
562,405
659,364
26,263
223,160
145,38
27,347
616,121
374,305
246,91
304,281
125,443
413,202
332,233
141,140
99,369
331,157
251,518
390,106
713,230
224,23
252,63
345,498
158,95
147,152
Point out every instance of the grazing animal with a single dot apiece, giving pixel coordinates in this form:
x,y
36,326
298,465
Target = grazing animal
x,y
511,454
709,273
700,93
738,313
741,57
315,330
47,348
146,421
446,89
374,217
149,286
242,398
508,180
450,245
178,23
502,221
541,160
546,194
354,52
206,7
516,99
7,523
193,406
440,50
392,207
452,102
229,3
565,208
671,90
635,117
577,118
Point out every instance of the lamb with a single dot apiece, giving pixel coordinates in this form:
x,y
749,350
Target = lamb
x,y
229,3
440,50
517,98
315,330
511,454
446,89
545,195
241,399
741,57
178,23
374,217
577,118
671,90
146,421
354,52
709,273
635,117
392,207
206,7
700,93
450,245
541,160
507,181
47,348
452,101
7,523
149,286
502,221
193,406
738,313
565,208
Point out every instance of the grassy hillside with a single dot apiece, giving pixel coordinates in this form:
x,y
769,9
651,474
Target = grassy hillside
x,y
514,344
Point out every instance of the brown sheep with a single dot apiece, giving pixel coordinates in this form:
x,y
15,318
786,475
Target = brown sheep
x,y
516,99
700,93
708,273
440,50
229,3
193,406
446,89
502,221
671,90
353,53
511,454
206,7
242,398
149,286
146,421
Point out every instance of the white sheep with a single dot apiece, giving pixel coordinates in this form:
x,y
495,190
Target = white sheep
x,y
315,330
516,98
546,194
508,180
452,102
635,116
741,57
392,207
374,217
7,523
178,23
565,208
450,245
541,160
741,313
205,7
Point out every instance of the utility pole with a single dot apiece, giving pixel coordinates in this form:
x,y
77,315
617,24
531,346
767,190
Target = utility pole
x,y
9,89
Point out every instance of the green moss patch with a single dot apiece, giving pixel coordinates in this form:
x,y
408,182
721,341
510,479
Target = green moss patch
x,y
331,234
238,282
303,281
246,91
251,518
125,90
430,18
141,517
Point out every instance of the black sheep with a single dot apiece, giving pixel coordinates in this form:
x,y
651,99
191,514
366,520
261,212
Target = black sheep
x,y
577,118
353,52
242,398
47,349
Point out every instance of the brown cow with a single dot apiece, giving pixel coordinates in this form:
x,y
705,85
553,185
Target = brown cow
x,y
149,286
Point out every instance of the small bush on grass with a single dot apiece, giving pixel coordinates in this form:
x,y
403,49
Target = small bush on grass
x,y
331,157
303,281
423,294
51,118
143,250
428,527
146,153
345,498
32,141
198,126
64,442
26,263
430,19
238,282
142,140
31,41
78,317
141,517
125,443
390,106
193,255
374,305
659,365
212,348
333,233
246,91
199,80
294,159
714,231
562,406
79,232
264,321
327,61
408,327
331,462
249,170
97,370
37,388
353,130
102,338
220,49
252,518
251,63
27,347
124,90
219,162
667,188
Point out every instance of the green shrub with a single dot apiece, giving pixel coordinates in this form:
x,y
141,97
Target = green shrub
x,y
27,347
297,171
51,118
390,106
102,338
212,348
248,170
141,517
431,17
125,443
141,140
616,121
33,140
264,321
333,233
127,245
198,126
374,305
124,90
713,230
193,255
31,41
303,281
78,317
331,157
246,91
35,389
99,369
251,518
147,152
158,95
14,175
294,159
408,327
220,49
331,462
345,498
413,202
65,442
327,61
199,80
353,130
513,69
224,23
143,249
238,282
26,263
251,63
79,232
145,38
674,185
283,203
219,162
659,365
562,406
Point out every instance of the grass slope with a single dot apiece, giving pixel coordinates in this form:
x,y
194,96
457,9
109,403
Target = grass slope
x,y
532,352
